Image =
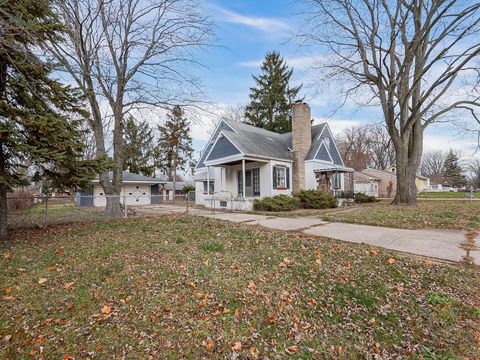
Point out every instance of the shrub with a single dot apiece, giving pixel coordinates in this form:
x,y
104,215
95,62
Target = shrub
x,y
276,203
315,199
363,198
188,188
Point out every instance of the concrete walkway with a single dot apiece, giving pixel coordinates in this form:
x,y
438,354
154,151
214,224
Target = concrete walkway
x,y
439,244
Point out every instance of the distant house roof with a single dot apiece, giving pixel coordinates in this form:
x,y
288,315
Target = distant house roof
x,y
380,172
233,138
201,175
129,177
363,178
178,185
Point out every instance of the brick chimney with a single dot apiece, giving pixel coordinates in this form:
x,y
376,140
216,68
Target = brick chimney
x,y
301,142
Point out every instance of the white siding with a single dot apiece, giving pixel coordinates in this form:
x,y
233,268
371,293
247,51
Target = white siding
x,y
130,193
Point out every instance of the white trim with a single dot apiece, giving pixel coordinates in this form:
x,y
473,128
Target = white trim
x,y
335,143
224,160
328,151
323,129
220,134
211,139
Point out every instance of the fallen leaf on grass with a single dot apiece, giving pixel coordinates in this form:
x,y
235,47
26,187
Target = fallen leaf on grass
x,y
69,286
210,345
42,281
106,309
69,306
319,261
52,268
199,295
375,251
252,287
7,255
68,357
391,261
7,290
293,348
237,346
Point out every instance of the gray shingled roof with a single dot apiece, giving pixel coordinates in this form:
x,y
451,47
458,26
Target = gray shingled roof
x,y
264,143
132,177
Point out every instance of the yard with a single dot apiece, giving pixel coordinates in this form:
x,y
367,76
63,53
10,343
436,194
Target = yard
x,y
447,195
461,215
183,286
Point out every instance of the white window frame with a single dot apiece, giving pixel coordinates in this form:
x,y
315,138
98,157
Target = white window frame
x,y
281,177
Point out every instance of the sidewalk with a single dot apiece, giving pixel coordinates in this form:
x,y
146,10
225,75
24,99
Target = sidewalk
x,y
438,244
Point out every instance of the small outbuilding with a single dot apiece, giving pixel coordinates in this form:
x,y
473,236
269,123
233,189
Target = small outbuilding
x,y
136,190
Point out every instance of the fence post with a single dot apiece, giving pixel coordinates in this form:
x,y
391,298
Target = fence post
x,y
125,206
46,209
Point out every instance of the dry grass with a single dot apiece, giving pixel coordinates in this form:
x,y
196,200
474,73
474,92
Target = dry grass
x,y
191,287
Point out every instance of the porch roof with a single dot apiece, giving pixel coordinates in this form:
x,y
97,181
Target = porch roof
x,y
322,167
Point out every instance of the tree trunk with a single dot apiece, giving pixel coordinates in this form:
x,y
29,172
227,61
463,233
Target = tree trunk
x,y
3,213
408,155
3,170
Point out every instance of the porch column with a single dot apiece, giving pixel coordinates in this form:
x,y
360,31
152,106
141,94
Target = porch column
x,y
208,180
243,178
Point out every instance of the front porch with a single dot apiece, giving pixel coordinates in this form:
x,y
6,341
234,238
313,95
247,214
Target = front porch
x,y
335,179
239,181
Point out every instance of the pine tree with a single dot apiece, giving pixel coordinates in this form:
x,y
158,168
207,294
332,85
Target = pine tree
x,y
138,147
174,151
272,96
38,138
452,171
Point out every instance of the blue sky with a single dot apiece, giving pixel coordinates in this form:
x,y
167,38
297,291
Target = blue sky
x,y
246,30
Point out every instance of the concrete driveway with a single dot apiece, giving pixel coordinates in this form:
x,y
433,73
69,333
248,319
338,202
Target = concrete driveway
x,y
450,245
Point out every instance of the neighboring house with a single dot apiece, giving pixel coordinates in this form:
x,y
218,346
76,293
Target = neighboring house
x,y
387,181
168,193
422,182
367,184
242,162
136,190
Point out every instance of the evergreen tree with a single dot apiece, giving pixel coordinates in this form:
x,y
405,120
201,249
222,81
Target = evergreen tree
x,y
39,140
138,147
452,171
174,151
272,96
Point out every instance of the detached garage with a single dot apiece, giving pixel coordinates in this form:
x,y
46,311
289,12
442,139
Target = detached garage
x,y
136,190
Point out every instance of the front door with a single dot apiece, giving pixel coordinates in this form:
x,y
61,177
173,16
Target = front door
x,y
252,182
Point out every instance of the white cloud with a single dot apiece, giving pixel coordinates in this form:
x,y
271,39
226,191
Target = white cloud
x,y
268,25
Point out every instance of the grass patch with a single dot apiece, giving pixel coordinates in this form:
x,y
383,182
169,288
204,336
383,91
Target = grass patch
x,y
212,246
446,195
190,287
461,215
439,298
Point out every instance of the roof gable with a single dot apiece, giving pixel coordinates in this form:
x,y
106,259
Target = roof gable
x,y
323,153
222,126
223,147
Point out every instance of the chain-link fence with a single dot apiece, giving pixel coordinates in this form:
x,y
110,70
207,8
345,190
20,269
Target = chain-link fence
x,y
45,210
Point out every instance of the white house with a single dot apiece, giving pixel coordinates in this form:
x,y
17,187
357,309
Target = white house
x,y
242,162
365,183
136,190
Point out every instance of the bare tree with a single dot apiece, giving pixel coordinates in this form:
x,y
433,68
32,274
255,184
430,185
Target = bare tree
x,y
415,58
367,146
473,172
354,144
127,55
432,165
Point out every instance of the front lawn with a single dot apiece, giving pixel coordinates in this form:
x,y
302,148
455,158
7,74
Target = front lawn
x,y
449,195
461,215
183,286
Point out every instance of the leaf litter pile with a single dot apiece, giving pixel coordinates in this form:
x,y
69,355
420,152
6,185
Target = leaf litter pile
x,y
183,286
